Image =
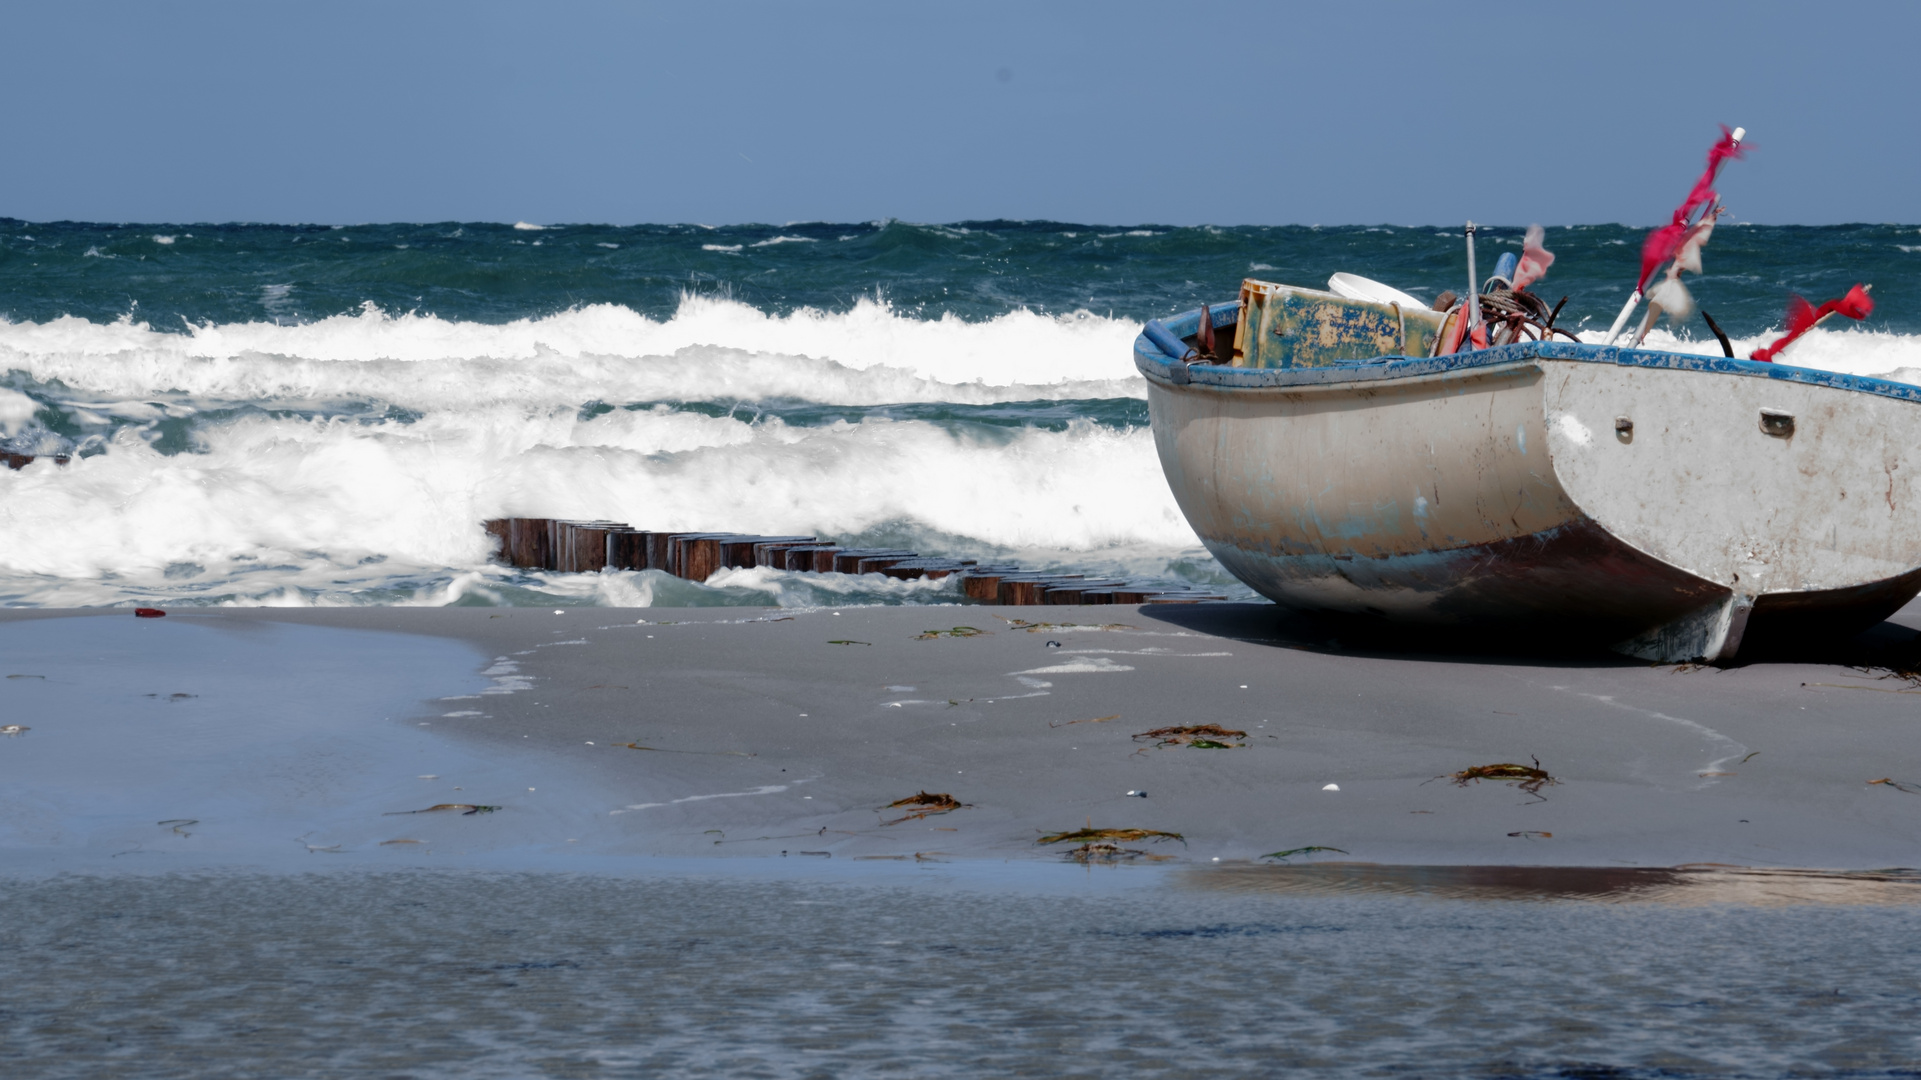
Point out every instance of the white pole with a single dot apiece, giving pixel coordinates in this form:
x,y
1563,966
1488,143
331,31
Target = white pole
x,y
1473,301
1622,319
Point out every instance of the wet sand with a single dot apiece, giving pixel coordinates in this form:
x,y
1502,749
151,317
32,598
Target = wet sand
x,y
770,731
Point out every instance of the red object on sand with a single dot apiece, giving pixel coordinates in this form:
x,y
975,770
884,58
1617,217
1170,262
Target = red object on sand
x,y
1662,242
147,613
1857,304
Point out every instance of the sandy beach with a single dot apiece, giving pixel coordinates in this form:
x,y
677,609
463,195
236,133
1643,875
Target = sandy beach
x,y
754,733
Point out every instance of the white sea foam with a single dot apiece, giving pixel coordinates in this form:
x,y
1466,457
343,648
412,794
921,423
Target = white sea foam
x,y
609,352
316,499
280,509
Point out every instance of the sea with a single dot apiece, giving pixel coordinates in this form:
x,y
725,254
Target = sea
x,y
324,414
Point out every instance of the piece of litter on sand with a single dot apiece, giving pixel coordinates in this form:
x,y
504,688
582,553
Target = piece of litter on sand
x,y
1529,834
1137,794
1330,787
148,613
1053,644
662,750
1037,627
845,641
14,729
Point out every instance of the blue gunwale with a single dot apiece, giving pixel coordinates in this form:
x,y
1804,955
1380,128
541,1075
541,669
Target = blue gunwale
x,y
1157,365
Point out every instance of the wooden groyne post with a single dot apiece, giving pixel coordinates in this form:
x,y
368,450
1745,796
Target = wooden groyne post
x,y
567,546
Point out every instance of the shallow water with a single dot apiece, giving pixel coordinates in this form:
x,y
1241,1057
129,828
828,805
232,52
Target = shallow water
x,y
175,742
920,972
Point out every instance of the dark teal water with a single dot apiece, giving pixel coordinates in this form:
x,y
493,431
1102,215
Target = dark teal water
x,y
974,270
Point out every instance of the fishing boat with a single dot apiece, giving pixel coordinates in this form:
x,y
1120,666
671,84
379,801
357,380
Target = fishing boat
x,y
1673,506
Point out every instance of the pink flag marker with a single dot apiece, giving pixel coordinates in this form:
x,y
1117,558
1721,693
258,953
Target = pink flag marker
x,y
1535,259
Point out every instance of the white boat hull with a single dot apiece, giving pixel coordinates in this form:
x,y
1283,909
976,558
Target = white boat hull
x,y
1494,489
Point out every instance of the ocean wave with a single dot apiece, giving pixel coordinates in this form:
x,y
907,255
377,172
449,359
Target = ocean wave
x,y
276,507
265,359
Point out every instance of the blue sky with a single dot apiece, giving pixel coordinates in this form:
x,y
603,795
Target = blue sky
x,y
1112,112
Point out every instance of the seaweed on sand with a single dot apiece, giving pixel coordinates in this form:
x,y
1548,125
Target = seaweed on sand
x,y
1091,835
1530,780
956,631
1910,788
1088,720
1312,849
1905,670
466,809
1093,853
926,804
1200,736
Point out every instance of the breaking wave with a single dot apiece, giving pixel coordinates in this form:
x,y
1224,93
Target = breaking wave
x,y
351,459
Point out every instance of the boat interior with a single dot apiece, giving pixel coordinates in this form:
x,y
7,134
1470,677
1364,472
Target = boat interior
x,y
1285,326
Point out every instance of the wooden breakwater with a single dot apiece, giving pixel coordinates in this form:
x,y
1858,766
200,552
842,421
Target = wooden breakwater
x,y
591,546
21,461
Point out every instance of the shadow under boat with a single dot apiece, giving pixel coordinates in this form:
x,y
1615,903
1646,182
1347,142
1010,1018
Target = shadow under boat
x,y
1688,885
1894,643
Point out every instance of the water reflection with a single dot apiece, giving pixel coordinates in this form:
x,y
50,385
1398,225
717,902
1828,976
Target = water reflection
x,y
1689,885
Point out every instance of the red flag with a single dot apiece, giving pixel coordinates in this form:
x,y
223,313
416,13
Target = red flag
x,y
1857,304
1662,242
